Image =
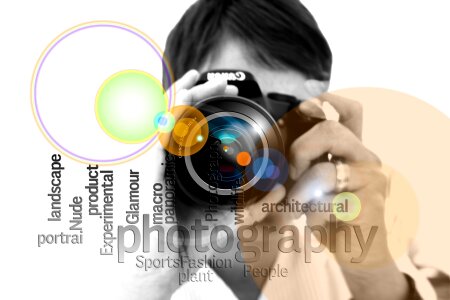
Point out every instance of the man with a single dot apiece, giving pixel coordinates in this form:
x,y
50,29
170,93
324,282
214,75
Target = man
x,y
280,43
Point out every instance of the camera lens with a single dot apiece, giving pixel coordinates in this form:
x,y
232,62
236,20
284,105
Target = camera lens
x,y
232,142
237,153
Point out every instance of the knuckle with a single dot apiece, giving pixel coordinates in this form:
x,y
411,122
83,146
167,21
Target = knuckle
x,y
329,127
356,107
375,159
382,181
377,175
377,183
369,159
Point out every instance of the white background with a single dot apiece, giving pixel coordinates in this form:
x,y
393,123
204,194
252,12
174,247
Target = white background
x,y
401,45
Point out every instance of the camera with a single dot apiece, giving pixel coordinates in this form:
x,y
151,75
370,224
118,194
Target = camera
x,y
244,148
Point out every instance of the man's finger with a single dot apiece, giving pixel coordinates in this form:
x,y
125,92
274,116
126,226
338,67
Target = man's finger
x,y
208,89
327,137
312,108
187,81
204,91
318,184
231,90
350,111
321,179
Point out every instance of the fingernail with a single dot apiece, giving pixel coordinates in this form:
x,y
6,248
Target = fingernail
x,y
317,102
193,72
217,81
312,108
231,90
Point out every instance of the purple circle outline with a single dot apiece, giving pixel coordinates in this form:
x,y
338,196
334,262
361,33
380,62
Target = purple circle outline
x,y
37,78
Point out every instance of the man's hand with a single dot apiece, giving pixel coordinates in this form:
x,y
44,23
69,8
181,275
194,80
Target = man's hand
x,y
376,276
186,92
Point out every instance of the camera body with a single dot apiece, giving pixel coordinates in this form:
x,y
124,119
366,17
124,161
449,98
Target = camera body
x,y
247,149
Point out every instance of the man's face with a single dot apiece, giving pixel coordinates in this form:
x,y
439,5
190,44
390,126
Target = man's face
x,y
233,54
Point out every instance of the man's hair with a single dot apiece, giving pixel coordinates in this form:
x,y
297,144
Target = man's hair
x,y
280,34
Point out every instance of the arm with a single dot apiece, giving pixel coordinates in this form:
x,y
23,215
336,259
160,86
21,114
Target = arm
x,y
373,275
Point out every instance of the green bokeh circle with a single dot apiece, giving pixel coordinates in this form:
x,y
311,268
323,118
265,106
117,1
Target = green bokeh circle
x,y
127,104
352,204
